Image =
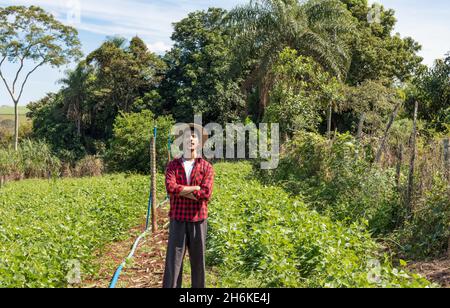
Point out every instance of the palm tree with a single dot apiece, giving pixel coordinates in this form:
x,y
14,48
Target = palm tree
x,y
75,94
315,28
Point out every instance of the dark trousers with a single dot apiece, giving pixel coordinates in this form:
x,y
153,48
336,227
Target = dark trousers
x,y
181,235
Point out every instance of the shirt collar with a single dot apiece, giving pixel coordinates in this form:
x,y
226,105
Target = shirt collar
x,y
181,159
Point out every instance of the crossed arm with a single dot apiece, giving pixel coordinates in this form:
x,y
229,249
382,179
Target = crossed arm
x,y
202,192
188,192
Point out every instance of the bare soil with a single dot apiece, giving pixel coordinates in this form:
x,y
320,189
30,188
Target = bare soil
x,y
145,270
437,271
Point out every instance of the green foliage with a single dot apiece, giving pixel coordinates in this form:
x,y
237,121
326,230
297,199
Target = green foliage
x,y
50,123
338,181
30,33
427,234
259,236
33,159
46,225
130,145
123,74
31,37
375,101
301,92
9,162
37,159
432,89
198,78
112,79
377,54
262,29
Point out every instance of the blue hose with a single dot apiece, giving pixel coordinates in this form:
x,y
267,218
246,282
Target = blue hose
x,y
117,273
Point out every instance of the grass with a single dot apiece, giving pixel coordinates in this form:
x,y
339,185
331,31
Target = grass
x,y
259,236
44,225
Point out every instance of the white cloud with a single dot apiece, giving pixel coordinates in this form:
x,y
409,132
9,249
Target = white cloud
x,y
151,20
159,47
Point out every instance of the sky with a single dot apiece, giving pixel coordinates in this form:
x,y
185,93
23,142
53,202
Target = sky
x,y
428,22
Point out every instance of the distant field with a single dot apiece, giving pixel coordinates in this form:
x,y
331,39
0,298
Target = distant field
x,y
7,116
9,110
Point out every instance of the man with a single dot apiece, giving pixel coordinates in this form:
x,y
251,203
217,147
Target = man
x,y
189,182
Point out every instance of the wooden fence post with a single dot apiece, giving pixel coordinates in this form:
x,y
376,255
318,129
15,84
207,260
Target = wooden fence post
x,y
410,191
399,166
330,114
362,118
153,179
386,132
447,158
447,176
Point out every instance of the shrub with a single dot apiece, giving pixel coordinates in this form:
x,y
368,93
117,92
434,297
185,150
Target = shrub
x,y
25,130
32,160
9,162
6,137
335,179
89,166
130,146
427,234
38,160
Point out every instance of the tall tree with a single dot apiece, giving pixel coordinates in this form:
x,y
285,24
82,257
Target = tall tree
x,y
123,75
77,85
198,78
432,88
373,101
301,93
29,34
378,53
263,28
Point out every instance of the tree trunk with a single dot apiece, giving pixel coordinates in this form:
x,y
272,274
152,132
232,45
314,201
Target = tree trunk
x,y
362,118
263,97
386,133
447,158
16,126
79,126
330,114
410,191
399,166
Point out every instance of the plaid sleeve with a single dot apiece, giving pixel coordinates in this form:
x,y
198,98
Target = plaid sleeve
x,y
204,194
171,180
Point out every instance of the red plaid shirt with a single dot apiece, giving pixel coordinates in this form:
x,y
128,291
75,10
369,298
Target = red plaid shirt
x,y
184,209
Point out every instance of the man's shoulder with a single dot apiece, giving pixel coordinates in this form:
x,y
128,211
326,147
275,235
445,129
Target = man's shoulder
x,y
206,163
173,163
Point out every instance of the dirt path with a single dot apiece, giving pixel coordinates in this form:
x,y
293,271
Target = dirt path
x,y
147,267
437,271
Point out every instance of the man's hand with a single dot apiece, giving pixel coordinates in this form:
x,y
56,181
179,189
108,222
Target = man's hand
x,y
189,190
191,196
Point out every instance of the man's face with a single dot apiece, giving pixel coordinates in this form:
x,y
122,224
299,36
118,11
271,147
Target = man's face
x,y
193,142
